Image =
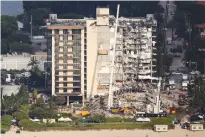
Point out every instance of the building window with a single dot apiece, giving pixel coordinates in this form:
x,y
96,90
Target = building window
x,y
76,84
65,90
85,64
76,54
85,46
64,78
76,37
56,90
76,66
76,78
64,67
76,31
76,90
76,72
76,60
65,31
65,84
56,78
65,37
56,31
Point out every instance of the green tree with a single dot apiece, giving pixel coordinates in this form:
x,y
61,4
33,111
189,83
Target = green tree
x,y
20,47
8,25
39,113
40,101
20,37
23,96
52,102
19,115
60,100
4,46
6,122
37,77
9,104
197,92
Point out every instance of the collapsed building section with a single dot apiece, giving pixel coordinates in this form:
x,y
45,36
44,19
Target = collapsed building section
x,y
139,35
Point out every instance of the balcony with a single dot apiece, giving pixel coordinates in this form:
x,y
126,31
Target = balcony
x,y
68,87
144,72
64,81
71,93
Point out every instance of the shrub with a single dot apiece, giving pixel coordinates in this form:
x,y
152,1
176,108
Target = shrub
x,y
39,113
20,115
6,122
30,125
97,119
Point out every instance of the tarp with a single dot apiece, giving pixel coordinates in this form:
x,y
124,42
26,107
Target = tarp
x,y
68,119
143,120
64,119
139,119
61,119
36,120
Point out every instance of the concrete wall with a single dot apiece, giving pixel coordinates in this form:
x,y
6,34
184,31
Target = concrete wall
x,y
91,54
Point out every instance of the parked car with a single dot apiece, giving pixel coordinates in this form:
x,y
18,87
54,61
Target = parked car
x,y
185,125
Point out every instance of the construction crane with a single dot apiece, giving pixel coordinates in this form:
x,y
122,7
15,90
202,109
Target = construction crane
x,y
110,96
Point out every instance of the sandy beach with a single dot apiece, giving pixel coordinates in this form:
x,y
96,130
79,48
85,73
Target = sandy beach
x,y
107,133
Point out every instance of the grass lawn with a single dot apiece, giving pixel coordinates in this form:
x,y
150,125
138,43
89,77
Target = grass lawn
x,y
101,126
115,125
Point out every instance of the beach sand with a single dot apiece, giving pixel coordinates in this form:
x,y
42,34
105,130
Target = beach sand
x,y
108,133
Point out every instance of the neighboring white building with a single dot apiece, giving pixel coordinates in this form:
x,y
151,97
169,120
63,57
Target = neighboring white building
x,y
20,25
19,62
8,90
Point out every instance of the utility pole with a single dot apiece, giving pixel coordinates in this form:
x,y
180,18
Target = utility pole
x,y
31,27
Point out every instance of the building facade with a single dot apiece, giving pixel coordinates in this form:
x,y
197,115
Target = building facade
x,y
81,53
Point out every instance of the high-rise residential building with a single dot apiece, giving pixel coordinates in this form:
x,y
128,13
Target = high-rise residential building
x,y
81,52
